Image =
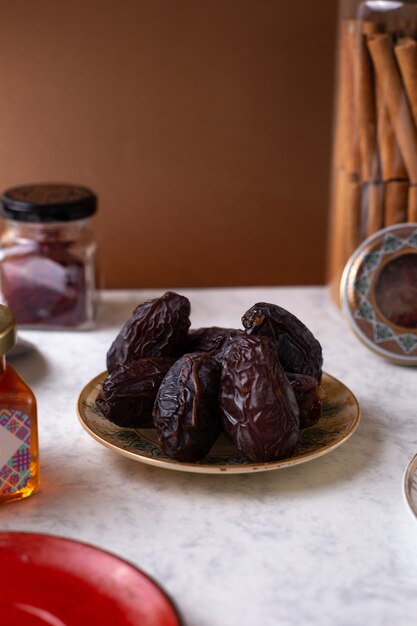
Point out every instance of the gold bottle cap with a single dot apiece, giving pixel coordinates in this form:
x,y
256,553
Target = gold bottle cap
x,y
379,293
7,329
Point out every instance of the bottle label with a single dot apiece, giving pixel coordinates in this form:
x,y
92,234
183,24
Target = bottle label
x,y
14,451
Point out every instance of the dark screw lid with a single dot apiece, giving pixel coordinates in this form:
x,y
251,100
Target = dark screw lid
x,y
48,203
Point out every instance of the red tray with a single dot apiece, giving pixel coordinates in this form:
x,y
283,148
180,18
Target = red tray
x,y
47,580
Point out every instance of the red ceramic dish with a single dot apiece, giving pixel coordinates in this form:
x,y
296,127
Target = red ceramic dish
x,y
48,580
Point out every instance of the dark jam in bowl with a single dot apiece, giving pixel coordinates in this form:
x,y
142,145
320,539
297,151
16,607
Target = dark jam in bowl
x,y
396,291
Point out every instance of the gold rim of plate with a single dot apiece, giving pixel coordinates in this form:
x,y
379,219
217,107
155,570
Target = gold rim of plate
x,y
341,415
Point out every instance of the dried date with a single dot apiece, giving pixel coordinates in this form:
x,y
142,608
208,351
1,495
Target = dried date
x,y
258,407
212,340
309,396
299,351
156,328
186,410
129,391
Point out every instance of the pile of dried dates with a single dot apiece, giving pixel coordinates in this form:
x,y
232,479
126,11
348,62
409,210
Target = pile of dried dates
x,y
260,385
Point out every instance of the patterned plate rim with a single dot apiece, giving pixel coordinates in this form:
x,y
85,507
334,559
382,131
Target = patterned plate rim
x,y
202,468
410,471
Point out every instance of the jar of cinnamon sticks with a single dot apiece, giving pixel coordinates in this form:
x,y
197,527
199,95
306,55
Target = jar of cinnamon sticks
x,y
374,167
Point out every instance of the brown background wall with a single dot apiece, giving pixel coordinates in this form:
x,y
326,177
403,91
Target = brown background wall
x,y
203,125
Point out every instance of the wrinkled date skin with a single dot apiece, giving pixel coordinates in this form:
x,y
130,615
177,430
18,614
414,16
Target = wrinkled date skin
x,y
299,351
212,340
186,410
157,327
309,397
128,393
258,406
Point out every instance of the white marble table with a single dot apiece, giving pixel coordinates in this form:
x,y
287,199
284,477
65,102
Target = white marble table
x,y
329,542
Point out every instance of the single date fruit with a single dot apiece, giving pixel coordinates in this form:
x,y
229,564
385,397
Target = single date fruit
x,y
258,406
309,396
129,392
212,340
299,351
186,410
157,327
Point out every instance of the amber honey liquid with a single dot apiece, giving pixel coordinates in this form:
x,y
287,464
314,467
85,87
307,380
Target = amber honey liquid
x,y
19,462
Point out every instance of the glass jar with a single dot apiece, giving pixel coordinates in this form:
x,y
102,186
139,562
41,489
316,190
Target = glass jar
x,y
47,256
374,167
19,459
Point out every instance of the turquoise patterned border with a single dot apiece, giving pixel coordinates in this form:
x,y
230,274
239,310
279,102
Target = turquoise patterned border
x,y
365,311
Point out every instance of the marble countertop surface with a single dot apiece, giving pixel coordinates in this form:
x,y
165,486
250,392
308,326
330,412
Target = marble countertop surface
x,y
327,543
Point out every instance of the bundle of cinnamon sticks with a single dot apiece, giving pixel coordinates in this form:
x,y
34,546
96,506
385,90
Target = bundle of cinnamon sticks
x,y
375,151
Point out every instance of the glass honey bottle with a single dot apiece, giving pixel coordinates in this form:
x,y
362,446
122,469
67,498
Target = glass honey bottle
x,y
19,462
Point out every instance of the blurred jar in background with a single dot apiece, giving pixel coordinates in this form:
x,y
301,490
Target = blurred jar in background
x,y
47,256
374,168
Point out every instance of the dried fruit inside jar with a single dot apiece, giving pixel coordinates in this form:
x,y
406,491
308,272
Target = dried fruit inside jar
x,y
46,286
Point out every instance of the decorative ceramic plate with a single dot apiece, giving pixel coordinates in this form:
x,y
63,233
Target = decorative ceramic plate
x,y
61,582
378,293
339,420
410,485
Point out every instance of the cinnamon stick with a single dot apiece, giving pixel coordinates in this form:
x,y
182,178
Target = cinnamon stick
x,y
373,199
364,99
389,78
347,146
344,228
406,54
337,243
412,204
392,164
346,160
352,214
340,104
396,202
